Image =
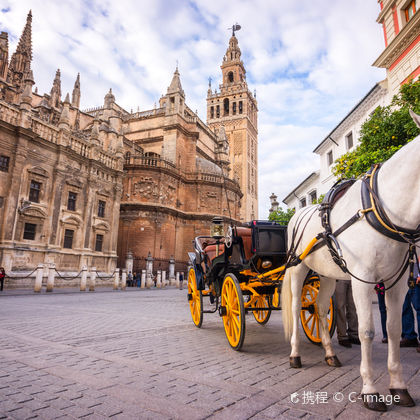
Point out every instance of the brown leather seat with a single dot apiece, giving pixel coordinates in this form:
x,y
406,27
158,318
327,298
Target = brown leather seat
x,y
246,235
210,251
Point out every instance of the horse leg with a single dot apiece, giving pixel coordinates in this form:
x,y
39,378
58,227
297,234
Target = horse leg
x,y
296,279
362,294
394,299
326,290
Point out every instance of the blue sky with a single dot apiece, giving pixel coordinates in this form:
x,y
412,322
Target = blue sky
x,y
309,61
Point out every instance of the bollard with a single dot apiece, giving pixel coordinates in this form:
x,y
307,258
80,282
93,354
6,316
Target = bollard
x,y
149,280
171,274
83,279
92,279
143,279
159,279
116,278
38,278
163,279
124,279
51,278
177,280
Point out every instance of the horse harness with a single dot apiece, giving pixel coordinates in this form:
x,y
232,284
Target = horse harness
x,y
375,215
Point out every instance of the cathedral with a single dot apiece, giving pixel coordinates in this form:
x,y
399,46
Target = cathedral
x,y
87,187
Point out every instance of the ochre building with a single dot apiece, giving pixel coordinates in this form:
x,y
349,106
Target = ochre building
x,y
87,187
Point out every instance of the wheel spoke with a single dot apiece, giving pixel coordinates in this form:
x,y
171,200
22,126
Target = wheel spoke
x,y
308,319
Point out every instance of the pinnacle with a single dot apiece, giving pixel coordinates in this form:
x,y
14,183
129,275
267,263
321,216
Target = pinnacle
x,y
175,85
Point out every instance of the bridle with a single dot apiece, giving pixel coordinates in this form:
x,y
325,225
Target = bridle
x,y
377,217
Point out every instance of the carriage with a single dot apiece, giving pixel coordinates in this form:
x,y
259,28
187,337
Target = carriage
x,y
242,272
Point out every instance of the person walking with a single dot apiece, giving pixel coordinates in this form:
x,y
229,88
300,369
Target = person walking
x,y
347,323
181,280
137,280
380,291
129,279
2,277
412,300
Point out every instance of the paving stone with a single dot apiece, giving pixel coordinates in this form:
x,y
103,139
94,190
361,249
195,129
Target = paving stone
x,y
138,355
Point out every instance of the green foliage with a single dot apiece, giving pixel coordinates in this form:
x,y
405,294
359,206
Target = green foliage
x,y
319,199
386,131
281,216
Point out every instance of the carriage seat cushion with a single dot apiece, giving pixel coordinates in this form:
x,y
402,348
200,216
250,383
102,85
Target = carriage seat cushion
x,y
210,251
246,234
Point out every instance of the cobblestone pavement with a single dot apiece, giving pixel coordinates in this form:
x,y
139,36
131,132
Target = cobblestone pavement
x,y
137,355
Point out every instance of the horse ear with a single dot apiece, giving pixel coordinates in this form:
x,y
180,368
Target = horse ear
x,y
415,117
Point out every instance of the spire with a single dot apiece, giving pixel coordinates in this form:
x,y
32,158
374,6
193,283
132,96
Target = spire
x,y
75,97
4,55
233,53
175,86
64,122
20,63
109,99
56,90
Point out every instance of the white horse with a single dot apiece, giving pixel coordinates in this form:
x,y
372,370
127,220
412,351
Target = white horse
x,y
369,255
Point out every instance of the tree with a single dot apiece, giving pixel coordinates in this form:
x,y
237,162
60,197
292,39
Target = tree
x,y
281,216
383,133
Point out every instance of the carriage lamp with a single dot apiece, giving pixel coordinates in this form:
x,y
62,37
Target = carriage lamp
x,y
216,228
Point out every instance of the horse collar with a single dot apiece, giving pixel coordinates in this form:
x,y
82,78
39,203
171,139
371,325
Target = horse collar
x,y
376,215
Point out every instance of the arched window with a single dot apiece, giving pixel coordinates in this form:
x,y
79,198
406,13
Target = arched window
x,y
226,106
212,112
230,77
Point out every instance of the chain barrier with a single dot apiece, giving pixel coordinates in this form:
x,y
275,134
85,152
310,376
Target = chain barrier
x,y
68,277
20,277
104,277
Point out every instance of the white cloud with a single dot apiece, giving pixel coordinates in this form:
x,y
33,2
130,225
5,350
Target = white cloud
x,y
309,61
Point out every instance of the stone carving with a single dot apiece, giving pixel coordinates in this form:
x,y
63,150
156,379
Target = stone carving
x,y
146,188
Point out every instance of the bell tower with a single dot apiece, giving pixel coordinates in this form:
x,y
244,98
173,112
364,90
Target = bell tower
x,y
234,108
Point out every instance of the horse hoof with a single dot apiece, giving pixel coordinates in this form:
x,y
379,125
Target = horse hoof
x,y
404,399
372,402
295,362
333,361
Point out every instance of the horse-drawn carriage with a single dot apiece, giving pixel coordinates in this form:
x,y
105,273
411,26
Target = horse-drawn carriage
x,y
242,272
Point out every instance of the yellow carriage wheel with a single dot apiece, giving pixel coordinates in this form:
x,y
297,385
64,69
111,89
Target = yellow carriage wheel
x,y
195,299
309,313
233,311
262,301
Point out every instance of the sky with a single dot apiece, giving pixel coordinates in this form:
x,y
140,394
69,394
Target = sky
x,y
309,61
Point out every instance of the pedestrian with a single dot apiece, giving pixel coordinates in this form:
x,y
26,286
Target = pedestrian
x,y
412,300
380,291
347,323
181,280
129,279
2,277
137,280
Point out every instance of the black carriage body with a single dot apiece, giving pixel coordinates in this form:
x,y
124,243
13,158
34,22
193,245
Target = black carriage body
x,y
253,244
